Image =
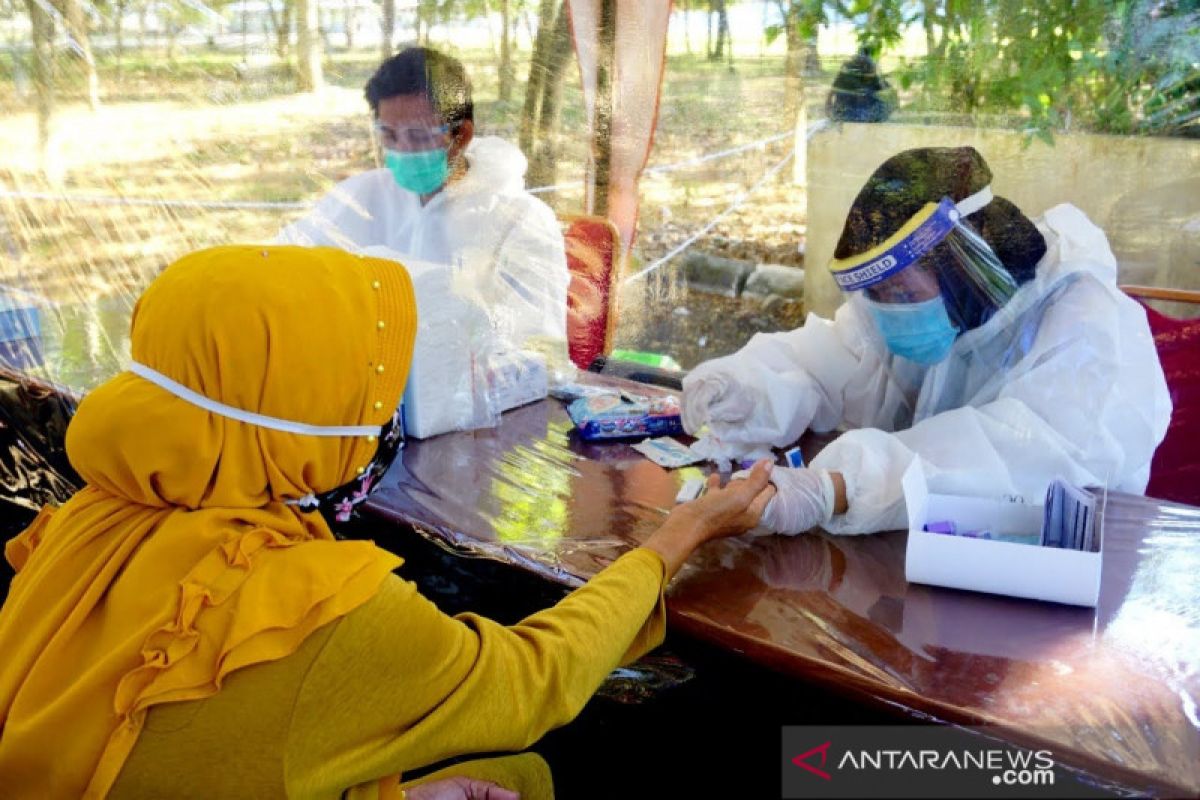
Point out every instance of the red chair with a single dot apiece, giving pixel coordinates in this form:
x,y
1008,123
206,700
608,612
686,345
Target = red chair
x,y
593,247
1175,471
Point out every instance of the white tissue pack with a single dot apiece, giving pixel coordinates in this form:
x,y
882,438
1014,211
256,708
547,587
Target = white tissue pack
x,y
446,389
461,376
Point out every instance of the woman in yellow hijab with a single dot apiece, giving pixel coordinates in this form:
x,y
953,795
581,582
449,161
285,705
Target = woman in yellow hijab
x,y
187,626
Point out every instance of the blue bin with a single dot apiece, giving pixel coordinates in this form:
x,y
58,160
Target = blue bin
x,y
20,331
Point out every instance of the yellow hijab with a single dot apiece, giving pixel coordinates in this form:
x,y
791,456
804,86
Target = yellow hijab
x,y
179,562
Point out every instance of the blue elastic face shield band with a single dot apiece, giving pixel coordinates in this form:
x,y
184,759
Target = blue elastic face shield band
x,y
927,228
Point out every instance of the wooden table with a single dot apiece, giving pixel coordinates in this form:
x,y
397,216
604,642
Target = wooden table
x,y
1114,691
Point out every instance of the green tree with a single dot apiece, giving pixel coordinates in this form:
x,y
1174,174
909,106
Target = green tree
x,y
387,28
716,49
308,43
1118,67
510,12
800,22
540,113
281,18
42,24
79,30
505,68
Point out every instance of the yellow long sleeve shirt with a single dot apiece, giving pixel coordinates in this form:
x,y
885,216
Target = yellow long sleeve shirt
x,y
397,685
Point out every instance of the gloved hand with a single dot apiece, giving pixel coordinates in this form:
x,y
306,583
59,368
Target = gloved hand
x,y
803,500
712,393
748,407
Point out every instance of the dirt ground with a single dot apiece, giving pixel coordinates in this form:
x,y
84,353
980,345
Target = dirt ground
x,y
169,141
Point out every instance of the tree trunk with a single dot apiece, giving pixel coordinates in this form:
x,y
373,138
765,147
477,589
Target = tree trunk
x,y
308,42
928,20
281,28
812,55
487,14
543,168
119,23
387,26
801,21
142,11
42,25
506,70
722,30
601,167
77,29
708,39
793,65
289,23
687,23
350,17
538,62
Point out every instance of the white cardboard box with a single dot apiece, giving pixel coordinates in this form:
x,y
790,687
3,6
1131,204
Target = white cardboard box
x,y
981,565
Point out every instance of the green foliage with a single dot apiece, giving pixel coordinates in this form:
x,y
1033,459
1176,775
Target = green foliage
x,y
444,10
800,17
1122,67
880,24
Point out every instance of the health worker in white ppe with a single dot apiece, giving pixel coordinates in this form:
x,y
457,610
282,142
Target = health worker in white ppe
x,y
997,351
448,197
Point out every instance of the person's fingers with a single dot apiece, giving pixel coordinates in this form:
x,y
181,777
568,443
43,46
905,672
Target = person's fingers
x,y
756,481
485,790
714,481
759,505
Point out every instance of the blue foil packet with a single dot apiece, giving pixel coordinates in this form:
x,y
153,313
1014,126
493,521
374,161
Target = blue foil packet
x,y
620,415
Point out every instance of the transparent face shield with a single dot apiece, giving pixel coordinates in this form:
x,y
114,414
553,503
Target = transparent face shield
x,y
928,283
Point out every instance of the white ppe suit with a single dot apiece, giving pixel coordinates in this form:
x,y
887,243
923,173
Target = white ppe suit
x,y
1063,381
485,222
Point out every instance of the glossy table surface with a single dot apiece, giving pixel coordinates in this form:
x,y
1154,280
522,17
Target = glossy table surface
x,y
1113,690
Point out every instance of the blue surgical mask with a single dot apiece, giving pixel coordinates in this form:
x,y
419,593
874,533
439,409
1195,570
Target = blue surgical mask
x,y
921,332
422,172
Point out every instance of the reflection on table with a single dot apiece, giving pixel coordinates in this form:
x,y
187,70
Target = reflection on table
x,y
1112,690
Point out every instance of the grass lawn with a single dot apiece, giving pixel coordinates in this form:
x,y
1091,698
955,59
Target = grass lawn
x,y
211,128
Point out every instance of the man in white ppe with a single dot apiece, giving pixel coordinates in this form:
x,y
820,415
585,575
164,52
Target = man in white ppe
x,y
448,197
998,352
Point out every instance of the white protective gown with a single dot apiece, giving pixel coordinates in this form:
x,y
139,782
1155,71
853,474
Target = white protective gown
x,y
484,222
1064,381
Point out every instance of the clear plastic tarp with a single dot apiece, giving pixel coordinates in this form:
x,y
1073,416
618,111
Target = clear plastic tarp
x,y
725,139
692,165
1110,690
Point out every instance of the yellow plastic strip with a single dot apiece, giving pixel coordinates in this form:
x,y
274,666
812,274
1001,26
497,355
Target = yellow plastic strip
x,y
914,222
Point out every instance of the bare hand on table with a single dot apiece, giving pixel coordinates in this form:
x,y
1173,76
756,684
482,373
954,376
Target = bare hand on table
x,y
718,513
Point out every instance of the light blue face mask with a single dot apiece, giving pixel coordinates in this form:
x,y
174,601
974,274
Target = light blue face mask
x,y
921,332
422,172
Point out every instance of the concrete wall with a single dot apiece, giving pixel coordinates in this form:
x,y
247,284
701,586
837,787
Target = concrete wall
x,y
1144,192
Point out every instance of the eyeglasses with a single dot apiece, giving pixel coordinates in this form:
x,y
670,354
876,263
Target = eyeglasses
x,y
912,285
420,138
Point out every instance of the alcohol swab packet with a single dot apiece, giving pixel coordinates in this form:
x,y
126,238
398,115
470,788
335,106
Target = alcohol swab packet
x,y
667,452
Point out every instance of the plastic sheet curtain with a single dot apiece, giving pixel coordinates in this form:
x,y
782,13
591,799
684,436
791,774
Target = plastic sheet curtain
x,y
621,45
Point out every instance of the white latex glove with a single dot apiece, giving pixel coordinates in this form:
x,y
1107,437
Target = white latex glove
x,y
803,500
727,455
713,394
747,406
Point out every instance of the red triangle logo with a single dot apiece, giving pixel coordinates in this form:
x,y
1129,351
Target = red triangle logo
x,y
802,762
